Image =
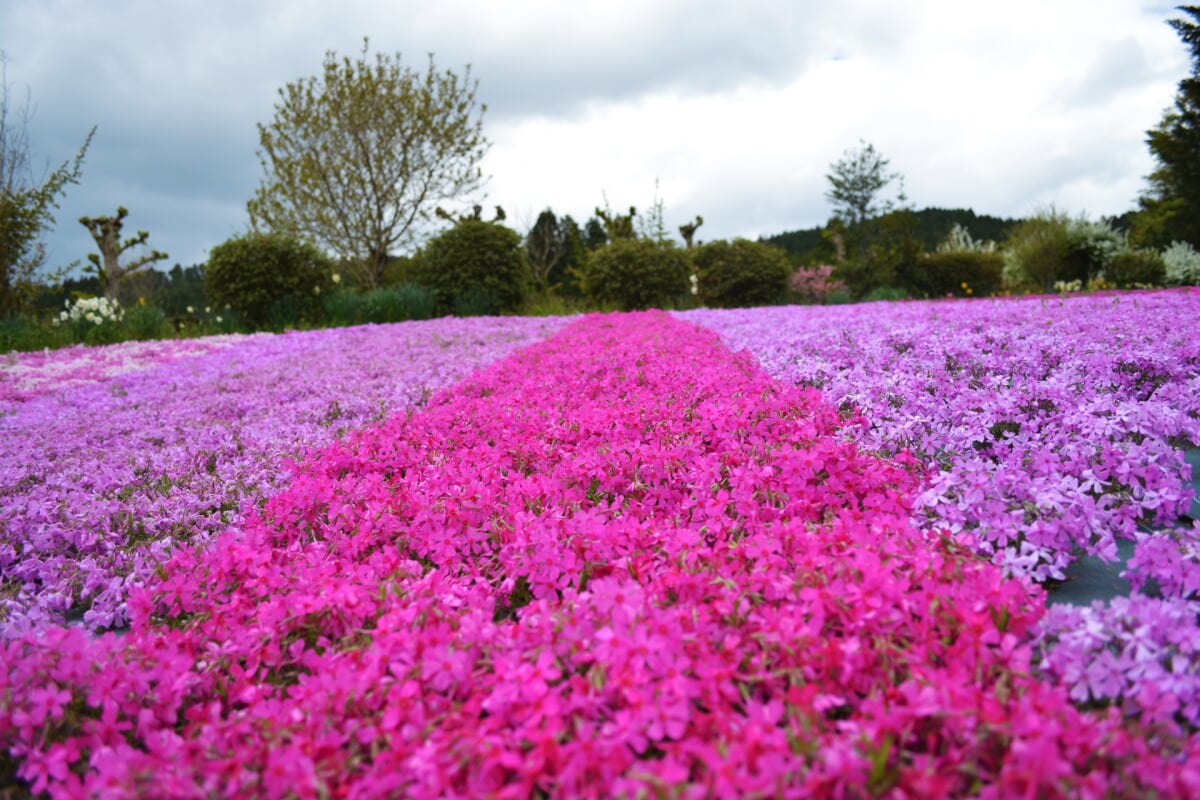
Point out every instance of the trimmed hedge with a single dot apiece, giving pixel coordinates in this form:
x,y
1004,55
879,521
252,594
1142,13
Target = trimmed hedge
x,y
944,274
636,274
475,268
266,277
741,273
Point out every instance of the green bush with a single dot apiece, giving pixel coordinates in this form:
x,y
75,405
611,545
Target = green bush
x,y
741,273
885,293
472,260
144,322
1136,267
389,304
1036,251
399,303
1051,247
945,272
270,280
636,274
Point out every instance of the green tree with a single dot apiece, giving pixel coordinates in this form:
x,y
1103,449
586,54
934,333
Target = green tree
x,y
547,249
27,203
1170,209
856,181
594,234
107,264
358,159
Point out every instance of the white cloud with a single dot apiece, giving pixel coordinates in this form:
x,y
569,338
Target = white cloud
x,y
737,109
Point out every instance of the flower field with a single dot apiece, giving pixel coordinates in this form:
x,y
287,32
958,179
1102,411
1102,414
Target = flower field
x,y
114,454
619,559
1049,428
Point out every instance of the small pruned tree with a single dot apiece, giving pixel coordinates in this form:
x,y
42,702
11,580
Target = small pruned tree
x,y
107,264
617,226
688,230
358,159
27,202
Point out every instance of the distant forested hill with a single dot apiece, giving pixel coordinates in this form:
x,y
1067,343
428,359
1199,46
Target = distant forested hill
x,y
932,225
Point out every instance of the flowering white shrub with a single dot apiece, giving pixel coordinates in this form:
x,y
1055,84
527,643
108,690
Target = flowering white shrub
x,y
96,310
959,240
1183,264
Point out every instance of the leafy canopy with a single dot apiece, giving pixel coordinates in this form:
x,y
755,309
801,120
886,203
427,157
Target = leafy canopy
x,y
1170,209
855,181
356,160
27,203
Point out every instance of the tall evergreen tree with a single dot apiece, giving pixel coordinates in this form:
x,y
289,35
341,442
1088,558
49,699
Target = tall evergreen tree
x,y
1170,209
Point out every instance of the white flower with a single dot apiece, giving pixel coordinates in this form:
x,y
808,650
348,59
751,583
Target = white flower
x,y
191,310
336,278
218,318
208,309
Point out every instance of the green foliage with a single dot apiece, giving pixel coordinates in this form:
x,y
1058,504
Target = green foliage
x,y
1140,268
740,273
617,226
359,158
1182,264
475,267
636,274
945,273
547,247
1051,247
1170,209
1036,252
1090,246
265,277
931,228
855,182
885,293
27,204
145,322
476,302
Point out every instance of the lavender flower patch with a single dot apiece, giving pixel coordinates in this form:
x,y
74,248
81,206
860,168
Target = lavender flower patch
x,y
1051,428
102,475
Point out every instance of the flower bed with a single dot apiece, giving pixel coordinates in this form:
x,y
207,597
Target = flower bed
x,y
1050,428
104,470
621,562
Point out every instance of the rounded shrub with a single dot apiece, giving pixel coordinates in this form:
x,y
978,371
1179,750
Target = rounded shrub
x,y
636,274
741,273
954,272
265,277
476,267
1136,268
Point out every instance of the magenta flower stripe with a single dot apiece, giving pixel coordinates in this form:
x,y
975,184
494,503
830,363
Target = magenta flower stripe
x,y
622,562
103,473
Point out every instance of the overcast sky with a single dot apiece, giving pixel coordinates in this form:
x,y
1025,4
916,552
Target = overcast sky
x,y
736,108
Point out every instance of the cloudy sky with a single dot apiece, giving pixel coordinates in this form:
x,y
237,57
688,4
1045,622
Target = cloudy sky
x,y
736,109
